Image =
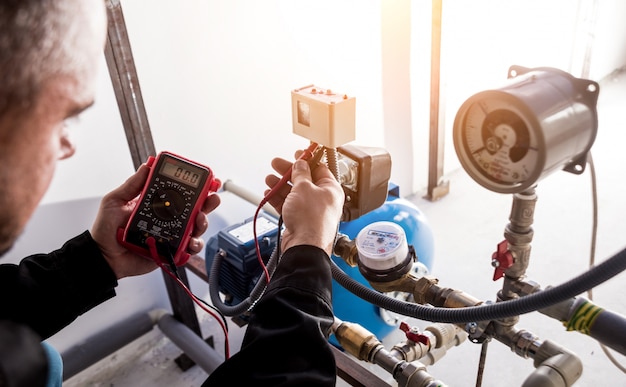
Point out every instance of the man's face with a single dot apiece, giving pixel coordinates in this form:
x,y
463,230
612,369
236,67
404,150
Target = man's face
x,y
32,142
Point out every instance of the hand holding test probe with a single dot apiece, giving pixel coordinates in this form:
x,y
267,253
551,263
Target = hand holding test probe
x,y
311,206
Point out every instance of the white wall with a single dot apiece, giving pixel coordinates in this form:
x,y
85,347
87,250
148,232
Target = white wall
x,y
216,79
216,76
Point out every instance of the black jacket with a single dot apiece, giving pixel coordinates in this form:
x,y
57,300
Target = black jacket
x,y
285,343
42,295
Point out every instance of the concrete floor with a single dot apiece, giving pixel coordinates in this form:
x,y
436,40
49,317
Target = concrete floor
x,y
467,224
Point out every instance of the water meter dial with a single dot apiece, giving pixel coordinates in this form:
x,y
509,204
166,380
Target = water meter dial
x,y
382,246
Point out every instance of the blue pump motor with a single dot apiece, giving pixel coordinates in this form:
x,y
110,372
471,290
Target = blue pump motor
x,y
240,268
351,308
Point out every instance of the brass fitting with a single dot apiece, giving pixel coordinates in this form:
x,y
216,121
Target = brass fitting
x,y
422,287
426,291
405,284
451,298
346,250
357,340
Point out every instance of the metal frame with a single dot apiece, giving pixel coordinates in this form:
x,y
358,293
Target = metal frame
x,y
437,188
123,74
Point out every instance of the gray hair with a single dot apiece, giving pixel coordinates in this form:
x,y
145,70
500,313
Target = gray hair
x,y
38,40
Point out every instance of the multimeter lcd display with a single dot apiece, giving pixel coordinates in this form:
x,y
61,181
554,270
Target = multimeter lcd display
x,y
183,173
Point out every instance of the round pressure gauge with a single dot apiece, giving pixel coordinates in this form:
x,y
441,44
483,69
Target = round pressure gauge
x,y
542,120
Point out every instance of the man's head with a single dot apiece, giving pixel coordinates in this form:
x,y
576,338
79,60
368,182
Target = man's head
x,y
49,54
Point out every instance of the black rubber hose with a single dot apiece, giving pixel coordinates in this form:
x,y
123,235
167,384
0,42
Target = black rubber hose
x,y
486,312
245,305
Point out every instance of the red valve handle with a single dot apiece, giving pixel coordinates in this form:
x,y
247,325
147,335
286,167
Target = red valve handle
x,y
502,259
413,336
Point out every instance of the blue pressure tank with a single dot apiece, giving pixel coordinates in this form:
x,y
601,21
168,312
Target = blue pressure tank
x,y
351,308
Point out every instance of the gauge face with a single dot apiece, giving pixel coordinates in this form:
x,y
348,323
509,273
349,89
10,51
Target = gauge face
x,y
496,143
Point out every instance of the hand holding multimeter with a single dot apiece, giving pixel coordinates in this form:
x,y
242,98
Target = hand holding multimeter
x,y
163,219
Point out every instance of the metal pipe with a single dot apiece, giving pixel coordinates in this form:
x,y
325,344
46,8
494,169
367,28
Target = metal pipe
x,y
97,347
414,375
106,342
519,232
190,343
582,315
364,345
609,328
555,367
248,196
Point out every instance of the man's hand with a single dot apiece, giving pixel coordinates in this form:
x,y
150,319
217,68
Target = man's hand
x,y
115,210
311,208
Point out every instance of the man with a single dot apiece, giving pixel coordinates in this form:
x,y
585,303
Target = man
x,y
49,52
49,55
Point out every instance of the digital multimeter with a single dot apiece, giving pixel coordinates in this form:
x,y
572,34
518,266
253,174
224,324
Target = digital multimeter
x,y
163,219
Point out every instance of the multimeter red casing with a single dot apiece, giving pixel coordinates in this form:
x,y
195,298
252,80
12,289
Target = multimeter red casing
x,y
164,217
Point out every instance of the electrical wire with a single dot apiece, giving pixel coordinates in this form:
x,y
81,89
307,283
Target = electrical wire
x,y
257,247
278,235
173,273
203,305
481,363
592,253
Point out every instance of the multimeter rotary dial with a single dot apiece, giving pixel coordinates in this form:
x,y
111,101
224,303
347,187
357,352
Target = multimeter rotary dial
x,y
170,202
542,120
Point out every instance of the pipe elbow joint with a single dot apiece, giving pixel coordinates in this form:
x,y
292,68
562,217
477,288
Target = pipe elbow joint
x,y
560,370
